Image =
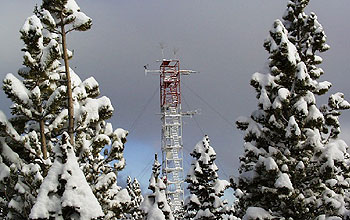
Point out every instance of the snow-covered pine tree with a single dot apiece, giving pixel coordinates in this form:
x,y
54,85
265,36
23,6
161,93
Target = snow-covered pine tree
x,y
204,185
101,171
64,193
229,211
134,190
155,205
41,96
24,137
308,36
91,132
293,166
65,16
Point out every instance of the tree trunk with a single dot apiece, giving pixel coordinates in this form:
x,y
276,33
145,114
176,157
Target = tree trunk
x,y
42,136
69,84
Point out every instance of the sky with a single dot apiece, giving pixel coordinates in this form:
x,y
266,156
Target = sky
x,y
223,40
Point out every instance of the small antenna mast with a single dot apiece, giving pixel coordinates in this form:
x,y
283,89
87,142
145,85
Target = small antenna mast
x,y
175,50
162,46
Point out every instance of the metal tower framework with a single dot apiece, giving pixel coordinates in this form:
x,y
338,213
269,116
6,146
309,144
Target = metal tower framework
x,y
171,136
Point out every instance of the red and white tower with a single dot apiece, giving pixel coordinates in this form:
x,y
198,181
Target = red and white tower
x,y
172,146
171,134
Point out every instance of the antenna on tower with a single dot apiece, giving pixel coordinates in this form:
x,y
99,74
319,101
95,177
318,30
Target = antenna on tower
x,y
175,50
162,46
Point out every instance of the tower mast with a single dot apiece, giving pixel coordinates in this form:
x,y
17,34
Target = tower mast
x,y
171,133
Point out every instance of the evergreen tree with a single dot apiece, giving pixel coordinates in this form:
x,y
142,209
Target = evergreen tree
x,y
155,205
40,116
64,193
65,16
134,190
204,185
293,166
36,101
99,171
89,130
229,211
